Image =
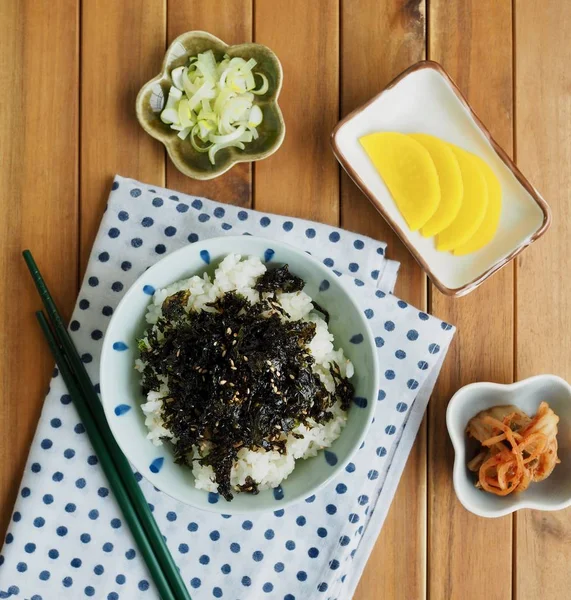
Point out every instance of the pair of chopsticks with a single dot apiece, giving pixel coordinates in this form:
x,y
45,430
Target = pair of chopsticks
x,y
127,492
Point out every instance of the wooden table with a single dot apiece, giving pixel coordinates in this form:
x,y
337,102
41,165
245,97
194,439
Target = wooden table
x,y
70,72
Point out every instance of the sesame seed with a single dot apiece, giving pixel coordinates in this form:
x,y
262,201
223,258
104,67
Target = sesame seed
x,y
228,331
222,381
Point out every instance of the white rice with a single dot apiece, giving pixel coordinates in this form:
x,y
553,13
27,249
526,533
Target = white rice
x,y
266,468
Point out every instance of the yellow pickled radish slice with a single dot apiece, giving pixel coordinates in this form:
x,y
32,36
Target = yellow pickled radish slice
x,y
489,226
474,204
409,173
450,179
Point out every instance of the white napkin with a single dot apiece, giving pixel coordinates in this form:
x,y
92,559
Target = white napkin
x,y
67,539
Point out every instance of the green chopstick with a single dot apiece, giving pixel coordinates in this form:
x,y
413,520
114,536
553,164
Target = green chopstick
x,y
107,463
121,464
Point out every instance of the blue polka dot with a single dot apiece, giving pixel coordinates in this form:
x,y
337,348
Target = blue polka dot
x,y
412,384
313,552
445,326
103,492
113,233
258,555
412,335
182,208
192,527
84,304
310,233
267,587
390,429
135,192
287,225
301,575
400,354
123,215
107,311
379,342
203,217
402,304
269,534
434,348
143,585
381,451
322,532
369,313
130,554
93,514
310,499
401,407
53,553
171,516
279,567
301,520
183,548
358,244
331,509
21,567
120,579
115,523
372,474
360,401
48,499
112,596
215,535
30,548
265,221
380,294
57,476
328,262
322,587
375,274
350,468
226,226
69,453
357,338
219,212
86,359
247,525
423,316
96,334
290,545
67,581
117,286
61,531
389,326
341,488
36,467
242,215
358,282
115,185
46,444
334,237
157,202
85,538
74,325
324,285
55,423
217,592
9,538
103,256
39,522
204,559
246,581
160,248
353,267
279,513
44,576
195,582
344,540
338,273
389,374
136,242
334,564
89,591
107,547
75,563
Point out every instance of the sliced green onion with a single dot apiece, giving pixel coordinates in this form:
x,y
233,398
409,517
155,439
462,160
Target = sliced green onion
x,y
212,102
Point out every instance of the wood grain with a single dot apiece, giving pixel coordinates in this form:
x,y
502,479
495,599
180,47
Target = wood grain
x,y
122,47
393,36
38,207
302,178
233,25
543,153
472,41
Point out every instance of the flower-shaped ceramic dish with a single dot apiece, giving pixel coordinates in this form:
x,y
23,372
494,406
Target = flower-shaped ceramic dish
x,y
554,493
121,388
424,99
194,164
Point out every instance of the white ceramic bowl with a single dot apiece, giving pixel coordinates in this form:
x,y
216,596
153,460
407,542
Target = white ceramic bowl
x,y
120,383
552,494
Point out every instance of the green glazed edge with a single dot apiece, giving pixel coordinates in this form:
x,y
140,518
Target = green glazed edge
x,y
185,158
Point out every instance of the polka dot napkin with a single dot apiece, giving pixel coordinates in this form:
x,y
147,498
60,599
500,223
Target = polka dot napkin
x,y
66,538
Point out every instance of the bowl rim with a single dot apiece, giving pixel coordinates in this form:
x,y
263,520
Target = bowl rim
x,y
169,143
535,195
457,437
106,354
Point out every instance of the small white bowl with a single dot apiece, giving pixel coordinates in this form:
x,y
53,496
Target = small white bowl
x,y
424,99
121,389
552,494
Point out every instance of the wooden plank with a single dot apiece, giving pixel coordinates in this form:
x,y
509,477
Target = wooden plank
x,y
38,204
302,178
472,41
393,34
122,47
233,25
543,309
